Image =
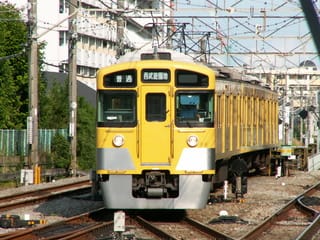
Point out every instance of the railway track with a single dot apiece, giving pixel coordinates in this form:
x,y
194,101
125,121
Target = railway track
x,y
93,225
182,229
71,228
297,220
20,199
99,225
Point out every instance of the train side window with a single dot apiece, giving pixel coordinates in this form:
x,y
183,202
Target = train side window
x,y
156,107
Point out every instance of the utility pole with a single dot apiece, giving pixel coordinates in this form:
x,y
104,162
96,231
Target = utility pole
x,y
120,29
33,83
73,4
170,25
308,103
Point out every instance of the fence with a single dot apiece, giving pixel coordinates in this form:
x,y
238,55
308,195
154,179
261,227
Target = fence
x,y
314,162
14,142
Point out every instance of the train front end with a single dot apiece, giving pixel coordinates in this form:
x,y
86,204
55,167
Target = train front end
x,y
155,135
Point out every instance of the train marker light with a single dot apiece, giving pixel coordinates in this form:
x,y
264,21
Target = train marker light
x,y
118,140
192,141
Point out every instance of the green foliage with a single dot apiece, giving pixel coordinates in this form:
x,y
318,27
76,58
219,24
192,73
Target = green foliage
x,y
54,112
86,150
53,104
60,152
13,69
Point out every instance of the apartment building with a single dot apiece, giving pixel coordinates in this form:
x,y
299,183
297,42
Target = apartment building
x,y
299,101
96,23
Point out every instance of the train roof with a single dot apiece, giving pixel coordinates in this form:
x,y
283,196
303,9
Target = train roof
x,y
233,74
221,72
148,53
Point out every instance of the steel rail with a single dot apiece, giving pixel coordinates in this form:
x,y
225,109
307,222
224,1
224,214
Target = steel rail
x,y
294,203
211,232
155,230
38,195
58,230
311,230
197,226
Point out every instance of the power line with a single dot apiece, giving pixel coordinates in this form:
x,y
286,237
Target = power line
x,y
12,56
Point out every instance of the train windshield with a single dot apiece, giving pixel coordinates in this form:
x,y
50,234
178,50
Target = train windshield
x,y
117,108
194,109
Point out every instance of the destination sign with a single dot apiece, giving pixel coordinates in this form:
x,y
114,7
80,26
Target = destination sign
x,y
155,75
125,78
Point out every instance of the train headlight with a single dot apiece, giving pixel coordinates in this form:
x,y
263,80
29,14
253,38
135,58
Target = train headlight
x,y
118,140
192,141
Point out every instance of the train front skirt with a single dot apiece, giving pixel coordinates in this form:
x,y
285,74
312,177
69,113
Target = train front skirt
x,y
193,194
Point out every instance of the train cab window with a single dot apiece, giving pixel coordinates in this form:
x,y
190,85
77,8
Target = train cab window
x,y
156,107
117,108
194,109
186,78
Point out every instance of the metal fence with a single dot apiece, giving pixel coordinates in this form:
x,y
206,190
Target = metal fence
x,y
14,142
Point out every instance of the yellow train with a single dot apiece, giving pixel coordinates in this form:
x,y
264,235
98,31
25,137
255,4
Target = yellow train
x,y
164,124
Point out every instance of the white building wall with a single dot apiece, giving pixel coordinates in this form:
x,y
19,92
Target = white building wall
x,y
49,17
96,27
50,22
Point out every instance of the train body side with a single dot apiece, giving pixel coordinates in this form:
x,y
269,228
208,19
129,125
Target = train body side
x,y
246,125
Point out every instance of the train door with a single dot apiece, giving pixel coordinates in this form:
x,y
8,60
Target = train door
x,y
155,126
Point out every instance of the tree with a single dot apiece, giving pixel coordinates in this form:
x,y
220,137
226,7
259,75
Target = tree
x,y
86,150
53,103
54,111
14,74
13,69
60,152
55,114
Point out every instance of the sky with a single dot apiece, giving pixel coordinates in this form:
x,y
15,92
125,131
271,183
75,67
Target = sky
x,y
255,34
270,34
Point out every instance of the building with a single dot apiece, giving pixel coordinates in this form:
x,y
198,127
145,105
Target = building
x,y
104,29
299,100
